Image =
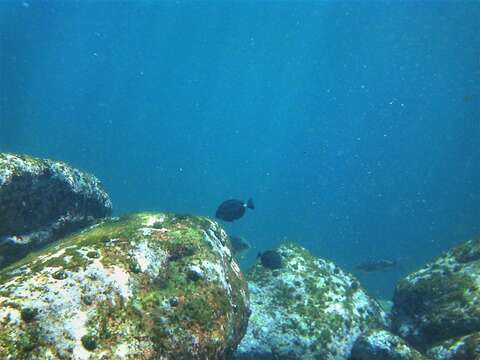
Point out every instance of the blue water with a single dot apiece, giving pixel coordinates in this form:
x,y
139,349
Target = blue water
x,y
355,126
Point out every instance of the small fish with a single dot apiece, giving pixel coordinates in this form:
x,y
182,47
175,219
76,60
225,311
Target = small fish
x,y
239,245
271,259
376,265
233,209
15,240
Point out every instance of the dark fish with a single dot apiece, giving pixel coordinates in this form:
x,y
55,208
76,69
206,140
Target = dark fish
x,y
233,209
239,244
271,259
376,265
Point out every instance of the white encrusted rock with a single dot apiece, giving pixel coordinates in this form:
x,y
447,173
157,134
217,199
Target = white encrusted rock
x,y
308,309
146,286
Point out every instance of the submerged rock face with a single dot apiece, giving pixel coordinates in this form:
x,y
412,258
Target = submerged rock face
x,y
308,309
463,348
42,200
441,301
146,286
382,345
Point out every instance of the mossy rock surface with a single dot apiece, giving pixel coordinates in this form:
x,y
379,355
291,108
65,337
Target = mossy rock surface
x,y
145,286
463,348
309,309
43,200
379,344
440,301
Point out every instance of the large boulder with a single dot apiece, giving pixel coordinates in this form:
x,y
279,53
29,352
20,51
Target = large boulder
x,y
308,309
146,286
41,201
380,344
441,301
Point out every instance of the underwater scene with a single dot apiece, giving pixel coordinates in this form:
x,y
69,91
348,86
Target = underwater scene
x,y
240,180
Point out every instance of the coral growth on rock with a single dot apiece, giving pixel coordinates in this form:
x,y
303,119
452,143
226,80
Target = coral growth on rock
x,y
308,309
145,286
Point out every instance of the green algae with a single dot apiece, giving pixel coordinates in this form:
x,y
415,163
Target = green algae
x,y
29,340
200,307
23,344
442,299
118,231
467,252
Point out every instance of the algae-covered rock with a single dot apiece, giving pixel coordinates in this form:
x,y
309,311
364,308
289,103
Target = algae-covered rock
x,y
382,345
441,301
42,200
146,286
463,348
308,309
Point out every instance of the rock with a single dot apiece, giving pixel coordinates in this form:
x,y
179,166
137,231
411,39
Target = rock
x,y
441,301
43,200
386,305
382,345
309,309
122,289
463,348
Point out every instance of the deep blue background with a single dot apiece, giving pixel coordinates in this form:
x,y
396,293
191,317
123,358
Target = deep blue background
x,y
355,126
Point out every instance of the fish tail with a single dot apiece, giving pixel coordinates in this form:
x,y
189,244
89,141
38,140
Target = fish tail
x,y
250,204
